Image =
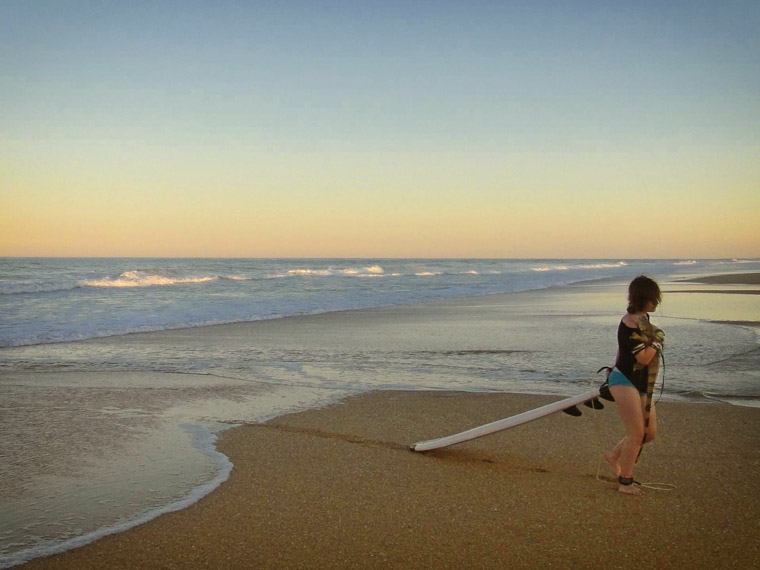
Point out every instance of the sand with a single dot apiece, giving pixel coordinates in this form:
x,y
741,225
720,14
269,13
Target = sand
x,y
728,279
339,488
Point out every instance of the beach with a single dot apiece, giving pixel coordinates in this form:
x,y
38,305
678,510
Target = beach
x,y
257,258
318,473
730,279
338,488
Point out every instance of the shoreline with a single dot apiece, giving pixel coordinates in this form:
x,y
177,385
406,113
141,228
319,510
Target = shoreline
x,y
718,291
340,489
211,447
486,315
725,279
722,279
205,440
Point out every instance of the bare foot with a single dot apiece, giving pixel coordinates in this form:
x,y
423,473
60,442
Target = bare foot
x,y
612,462
631,490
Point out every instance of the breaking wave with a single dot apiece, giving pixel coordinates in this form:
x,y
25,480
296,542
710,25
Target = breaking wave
x,y
59,299
126,279
370,271
565,267
140,278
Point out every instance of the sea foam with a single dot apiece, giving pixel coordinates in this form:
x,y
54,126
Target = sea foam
x,y
139,278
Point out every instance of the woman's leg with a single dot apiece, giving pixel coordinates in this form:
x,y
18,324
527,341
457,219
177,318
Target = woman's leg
x,y
612,457
629,405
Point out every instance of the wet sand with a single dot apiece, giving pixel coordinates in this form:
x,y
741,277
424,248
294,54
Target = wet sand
x,y
727,279
339,488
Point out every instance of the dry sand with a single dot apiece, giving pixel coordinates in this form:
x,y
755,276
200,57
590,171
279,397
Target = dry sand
x,y
339,488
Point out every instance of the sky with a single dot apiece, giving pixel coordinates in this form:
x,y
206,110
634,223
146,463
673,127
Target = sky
x,y
408,128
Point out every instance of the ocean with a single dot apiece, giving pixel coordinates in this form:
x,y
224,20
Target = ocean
x,y
112,392
56,300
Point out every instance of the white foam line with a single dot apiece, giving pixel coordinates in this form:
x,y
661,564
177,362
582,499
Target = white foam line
x,y
203,439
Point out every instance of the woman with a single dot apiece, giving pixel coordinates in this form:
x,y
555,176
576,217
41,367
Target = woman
x,y
636,365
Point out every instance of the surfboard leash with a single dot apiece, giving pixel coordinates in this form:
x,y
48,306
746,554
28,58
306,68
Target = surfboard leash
x,y
646,485
607,396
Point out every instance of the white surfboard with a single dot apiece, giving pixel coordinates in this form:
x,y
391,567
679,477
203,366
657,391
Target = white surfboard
x,y
506,423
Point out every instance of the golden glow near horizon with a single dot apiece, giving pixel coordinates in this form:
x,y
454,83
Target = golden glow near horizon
x,y
380,137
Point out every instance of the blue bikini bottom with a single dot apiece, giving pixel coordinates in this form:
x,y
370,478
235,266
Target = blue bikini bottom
x,y
617,378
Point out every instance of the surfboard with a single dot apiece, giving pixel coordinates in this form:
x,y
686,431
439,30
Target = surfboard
x,y
506,423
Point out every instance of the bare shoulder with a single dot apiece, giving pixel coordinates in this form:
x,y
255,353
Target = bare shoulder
x,y
630,321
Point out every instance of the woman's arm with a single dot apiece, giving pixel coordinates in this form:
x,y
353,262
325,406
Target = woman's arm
x,y
644,357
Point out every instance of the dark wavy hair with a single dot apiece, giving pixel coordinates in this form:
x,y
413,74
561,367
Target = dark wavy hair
x,y
642,290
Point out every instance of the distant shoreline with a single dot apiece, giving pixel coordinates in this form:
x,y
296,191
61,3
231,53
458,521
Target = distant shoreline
x,y
723,291
725,279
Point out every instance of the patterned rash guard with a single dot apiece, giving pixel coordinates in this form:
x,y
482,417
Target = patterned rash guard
x,y
626,361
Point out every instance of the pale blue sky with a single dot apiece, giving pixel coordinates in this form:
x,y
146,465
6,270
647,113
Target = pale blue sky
x,y
378,128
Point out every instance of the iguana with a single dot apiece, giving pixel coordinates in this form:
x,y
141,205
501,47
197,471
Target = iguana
x,y
648,336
